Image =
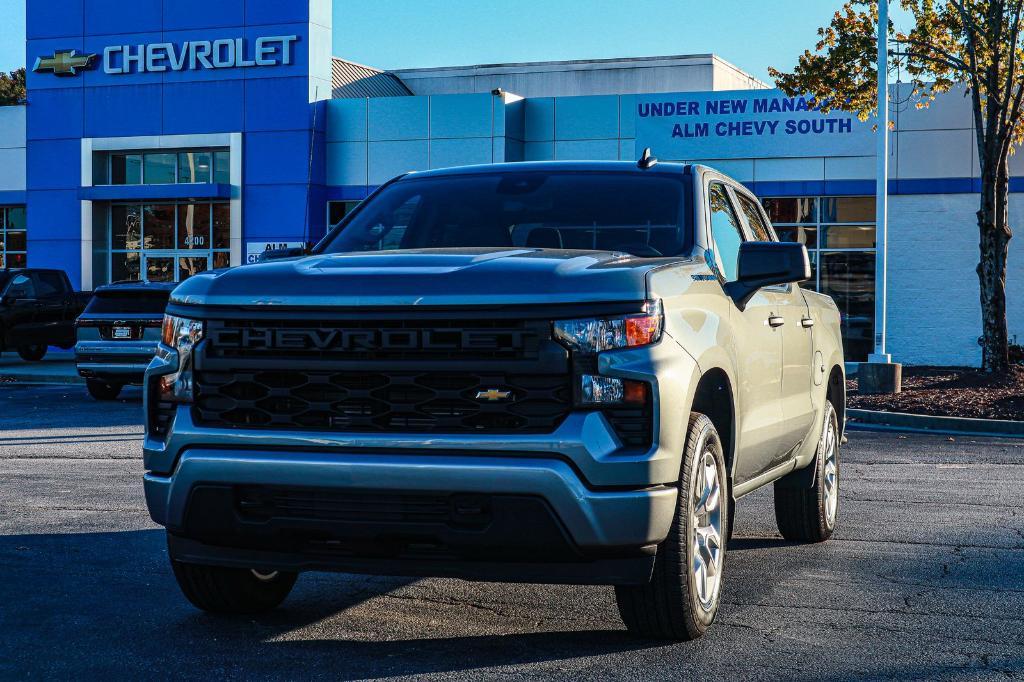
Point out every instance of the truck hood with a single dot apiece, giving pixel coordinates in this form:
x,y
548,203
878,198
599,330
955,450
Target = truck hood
x,y
428,277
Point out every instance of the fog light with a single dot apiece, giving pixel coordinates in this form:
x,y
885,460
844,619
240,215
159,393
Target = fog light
x,y
598,390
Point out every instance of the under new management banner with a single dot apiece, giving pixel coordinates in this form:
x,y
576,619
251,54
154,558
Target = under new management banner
x,y
745,124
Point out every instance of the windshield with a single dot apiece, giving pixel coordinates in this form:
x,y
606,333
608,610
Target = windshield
x,y
605,211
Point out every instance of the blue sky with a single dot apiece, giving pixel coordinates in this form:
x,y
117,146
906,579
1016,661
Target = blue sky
x,y
753,34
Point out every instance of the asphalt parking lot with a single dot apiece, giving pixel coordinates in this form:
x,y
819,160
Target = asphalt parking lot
x,y
924,579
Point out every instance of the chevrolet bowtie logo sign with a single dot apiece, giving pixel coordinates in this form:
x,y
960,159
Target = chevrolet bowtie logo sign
x,y
493,395
65,63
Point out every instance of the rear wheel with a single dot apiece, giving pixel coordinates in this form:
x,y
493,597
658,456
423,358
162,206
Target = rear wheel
x,y
32,353
101,390
218,589
808,512
682,598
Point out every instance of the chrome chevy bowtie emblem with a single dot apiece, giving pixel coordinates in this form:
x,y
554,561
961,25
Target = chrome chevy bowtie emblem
x,y
65,63
493,395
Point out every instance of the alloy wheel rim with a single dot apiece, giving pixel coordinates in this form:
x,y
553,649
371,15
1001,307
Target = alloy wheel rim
x,y
707,518
830,472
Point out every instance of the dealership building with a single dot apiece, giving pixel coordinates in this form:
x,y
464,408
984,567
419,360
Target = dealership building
x,y
160,139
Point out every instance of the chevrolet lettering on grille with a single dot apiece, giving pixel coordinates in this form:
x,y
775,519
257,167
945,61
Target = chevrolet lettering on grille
x,y
366,339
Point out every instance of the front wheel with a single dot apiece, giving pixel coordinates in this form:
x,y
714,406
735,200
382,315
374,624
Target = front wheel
x,y
804,511
682,598
33,353
218,589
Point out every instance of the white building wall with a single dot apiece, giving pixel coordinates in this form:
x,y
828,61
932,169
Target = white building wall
x,y
685,73
934,310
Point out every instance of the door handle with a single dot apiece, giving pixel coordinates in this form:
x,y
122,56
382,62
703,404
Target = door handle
x,y
776,321
807,322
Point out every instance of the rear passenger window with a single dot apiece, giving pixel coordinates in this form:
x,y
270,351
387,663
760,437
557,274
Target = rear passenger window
x,y
754,219
725,231
48,284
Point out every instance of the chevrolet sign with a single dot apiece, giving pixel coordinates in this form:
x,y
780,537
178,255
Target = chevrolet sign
x,y
64,63
227,53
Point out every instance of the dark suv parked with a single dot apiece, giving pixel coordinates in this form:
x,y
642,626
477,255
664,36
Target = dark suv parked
x,y
118,334
38,308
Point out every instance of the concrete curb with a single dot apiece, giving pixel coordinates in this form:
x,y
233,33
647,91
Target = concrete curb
x,y
871,420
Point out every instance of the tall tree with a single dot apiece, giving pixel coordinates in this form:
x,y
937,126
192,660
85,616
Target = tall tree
x,y
12,87
974,42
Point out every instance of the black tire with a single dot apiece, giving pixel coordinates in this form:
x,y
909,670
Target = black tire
x,y
670,607
218,589
33,353
101,390
806,511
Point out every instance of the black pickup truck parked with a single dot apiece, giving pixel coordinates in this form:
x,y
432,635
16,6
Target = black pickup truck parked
x,y
38,309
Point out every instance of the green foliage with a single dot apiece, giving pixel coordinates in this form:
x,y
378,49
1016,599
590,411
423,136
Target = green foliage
x,y
12,87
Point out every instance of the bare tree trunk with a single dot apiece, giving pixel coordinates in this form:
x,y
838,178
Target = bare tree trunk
x,y
994,232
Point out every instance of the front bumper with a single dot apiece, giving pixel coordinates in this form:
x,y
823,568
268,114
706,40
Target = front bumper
x,y
121,360
541,521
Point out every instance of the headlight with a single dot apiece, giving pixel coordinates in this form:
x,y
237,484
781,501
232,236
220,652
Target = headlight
x,y
181,335
596,335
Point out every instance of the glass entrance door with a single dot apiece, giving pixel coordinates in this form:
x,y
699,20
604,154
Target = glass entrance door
x,y
167,242
172,266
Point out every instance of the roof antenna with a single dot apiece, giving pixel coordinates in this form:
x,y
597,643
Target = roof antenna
x,y
646,160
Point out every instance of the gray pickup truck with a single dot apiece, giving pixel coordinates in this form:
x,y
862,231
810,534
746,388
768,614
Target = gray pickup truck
x,y
537,372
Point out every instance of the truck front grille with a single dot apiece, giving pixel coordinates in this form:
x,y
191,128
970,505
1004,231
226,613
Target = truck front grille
x,y
383,401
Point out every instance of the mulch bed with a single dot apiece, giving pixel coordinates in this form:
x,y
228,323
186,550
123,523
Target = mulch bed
x,y
949,392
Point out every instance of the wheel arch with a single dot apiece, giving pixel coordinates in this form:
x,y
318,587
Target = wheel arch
x,y
835,393
715,398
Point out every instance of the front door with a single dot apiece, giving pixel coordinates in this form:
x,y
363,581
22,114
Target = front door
x,y
790,310
757,348
172,266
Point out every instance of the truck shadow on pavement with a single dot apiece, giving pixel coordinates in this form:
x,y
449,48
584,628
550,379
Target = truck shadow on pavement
x,y
106,604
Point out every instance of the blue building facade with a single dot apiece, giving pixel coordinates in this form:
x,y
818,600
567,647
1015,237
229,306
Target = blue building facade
x,y
153,127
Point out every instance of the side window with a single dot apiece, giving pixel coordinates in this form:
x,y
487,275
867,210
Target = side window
x,y
47,284
725,231
21,287
755,219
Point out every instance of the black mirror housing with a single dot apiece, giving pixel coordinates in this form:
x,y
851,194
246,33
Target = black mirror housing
x,y
765,264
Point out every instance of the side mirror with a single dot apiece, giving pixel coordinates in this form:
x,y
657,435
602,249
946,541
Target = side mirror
x,y
278,254
765,264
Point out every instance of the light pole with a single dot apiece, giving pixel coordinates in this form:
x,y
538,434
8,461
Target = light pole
x,y
880,374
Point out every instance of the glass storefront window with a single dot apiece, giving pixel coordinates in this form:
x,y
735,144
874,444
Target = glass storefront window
x,y
221,259
222,167
158,226
15,219
808,236
848,237
159,169
791,209
842,257
124,266
848,210
125,227
126,169
194,226
192,166
195,167
221,226
849,278
13,237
